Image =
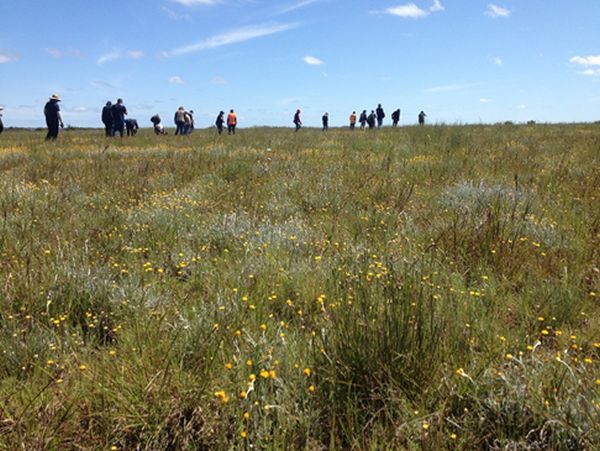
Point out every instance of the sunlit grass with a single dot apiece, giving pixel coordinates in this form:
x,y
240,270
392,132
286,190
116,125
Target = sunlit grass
x,y
430,287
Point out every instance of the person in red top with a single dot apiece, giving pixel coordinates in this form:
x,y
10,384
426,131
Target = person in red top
x,y
231,122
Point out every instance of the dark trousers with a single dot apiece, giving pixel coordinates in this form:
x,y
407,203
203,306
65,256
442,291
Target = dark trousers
x,y
379,122
108,129
220,128
231,129
298,125
52,129
395,123
352,126
1,126
180,128
131,130
118,127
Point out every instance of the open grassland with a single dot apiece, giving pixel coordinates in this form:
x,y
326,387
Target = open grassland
x,y
432,288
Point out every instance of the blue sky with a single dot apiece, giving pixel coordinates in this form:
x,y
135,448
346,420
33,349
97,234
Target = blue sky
x,y
460,61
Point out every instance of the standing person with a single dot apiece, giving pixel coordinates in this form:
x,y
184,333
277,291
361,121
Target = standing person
x,y
231,122
187,123
1,124
297,120
325,120
107,119
53,117
180,121
371,120
380,115
220,121
363,119
422,117
119,112
395,117
191,113
353,120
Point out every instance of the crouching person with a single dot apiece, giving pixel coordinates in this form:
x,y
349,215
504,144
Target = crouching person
x,y
132,126
159,128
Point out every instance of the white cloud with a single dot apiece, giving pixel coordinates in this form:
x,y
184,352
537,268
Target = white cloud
x,y
176,80
196,2
498,61
521,107
591,63
312,61
485,100
590,72
586,60
232,37
497,11
409,10
218,81
118,55
4,58
135,54
437,6
412,11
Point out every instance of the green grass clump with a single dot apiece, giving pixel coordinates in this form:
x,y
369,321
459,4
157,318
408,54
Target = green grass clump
x,y
412,288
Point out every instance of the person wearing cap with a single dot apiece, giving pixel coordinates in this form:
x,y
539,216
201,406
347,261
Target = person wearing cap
x,y
1,124
231,122
53,117
220,121
297,120
118,112
107,119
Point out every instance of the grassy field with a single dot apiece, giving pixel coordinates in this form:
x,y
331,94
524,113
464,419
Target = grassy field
x,y
434,288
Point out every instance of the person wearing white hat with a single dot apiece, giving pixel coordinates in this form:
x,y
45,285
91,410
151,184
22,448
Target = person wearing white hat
x,y
53,117
1,124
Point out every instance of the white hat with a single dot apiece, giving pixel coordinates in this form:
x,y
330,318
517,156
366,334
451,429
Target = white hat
x,y
55,97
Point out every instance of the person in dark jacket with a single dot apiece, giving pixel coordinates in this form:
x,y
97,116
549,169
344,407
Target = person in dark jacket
x,y
363,119
422,117
297,120
395,117
220,121
325,120
380,115
1,124
119,112
132,126
107,119
53,117
159,129
371,120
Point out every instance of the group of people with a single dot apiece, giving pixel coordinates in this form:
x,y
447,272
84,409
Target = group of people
x,y
115,122
231,122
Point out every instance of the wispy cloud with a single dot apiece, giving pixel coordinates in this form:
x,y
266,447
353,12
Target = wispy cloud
x,y
591,63
295,6
498,61
485,100
118,55
218,80
412,11
312,61
176,80
196,2
449,88
4,58
175,16
495,11
57,53
231,37
102,84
